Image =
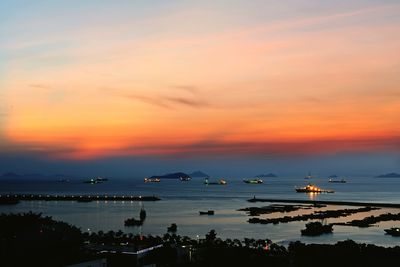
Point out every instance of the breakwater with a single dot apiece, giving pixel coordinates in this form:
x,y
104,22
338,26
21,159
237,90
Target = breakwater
x,y
15,198
327,202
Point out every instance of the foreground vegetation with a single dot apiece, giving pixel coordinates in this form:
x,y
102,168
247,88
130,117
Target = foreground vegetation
x,y
34,240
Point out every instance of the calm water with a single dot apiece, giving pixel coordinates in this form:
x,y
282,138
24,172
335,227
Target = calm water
x,y
181,202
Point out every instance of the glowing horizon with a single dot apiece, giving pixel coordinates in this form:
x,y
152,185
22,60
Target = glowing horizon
x,y
97,79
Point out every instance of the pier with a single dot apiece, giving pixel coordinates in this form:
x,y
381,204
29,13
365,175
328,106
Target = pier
x,y
15,198
327,202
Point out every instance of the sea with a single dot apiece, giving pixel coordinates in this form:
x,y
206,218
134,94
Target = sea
x,y
181,202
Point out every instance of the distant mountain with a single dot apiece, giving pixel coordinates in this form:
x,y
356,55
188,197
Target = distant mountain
x,y
199,174
389,175
269,175
175,175
333,176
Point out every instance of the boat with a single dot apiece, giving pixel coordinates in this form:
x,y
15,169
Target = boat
x,y
337,181
253,181
220,182
310,188
152,180
394,231
185,179
209,212
309,176
93,181
97,180
316,228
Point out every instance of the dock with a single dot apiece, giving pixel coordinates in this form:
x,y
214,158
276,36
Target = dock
x,y
15,198
327,202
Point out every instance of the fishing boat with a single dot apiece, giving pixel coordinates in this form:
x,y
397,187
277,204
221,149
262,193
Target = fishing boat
x,y
152,180
253,181
394,231
185,179
310,188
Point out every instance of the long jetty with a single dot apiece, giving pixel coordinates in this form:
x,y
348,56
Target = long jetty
x,y
15,198
327,202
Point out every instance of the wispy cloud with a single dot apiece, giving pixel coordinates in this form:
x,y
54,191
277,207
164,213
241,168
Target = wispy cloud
x,y
273,149
168,101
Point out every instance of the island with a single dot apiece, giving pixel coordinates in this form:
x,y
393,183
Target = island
x,y
389,175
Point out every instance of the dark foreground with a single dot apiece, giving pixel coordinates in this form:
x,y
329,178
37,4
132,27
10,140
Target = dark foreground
x,y
33,240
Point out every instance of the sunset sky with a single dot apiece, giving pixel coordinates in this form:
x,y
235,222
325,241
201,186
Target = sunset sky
x,y
163,81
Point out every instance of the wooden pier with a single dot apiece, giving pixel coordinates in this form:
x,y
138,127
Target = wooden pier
x,y
15,198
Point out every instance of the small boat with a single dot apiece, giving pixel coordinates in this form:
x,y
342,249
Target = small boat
x,y
96,180
101,179
337,181
220,182
152,180
253,181
209,212
394,231
309,176
316,228
185,179
92,181
310,188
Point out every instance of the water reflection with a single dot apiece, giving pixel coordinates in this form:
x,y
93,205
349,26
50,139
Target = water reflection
x,y
312,195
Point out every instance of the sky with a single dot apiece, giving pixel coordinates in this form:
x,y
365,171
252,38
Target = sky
x,y
231,87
